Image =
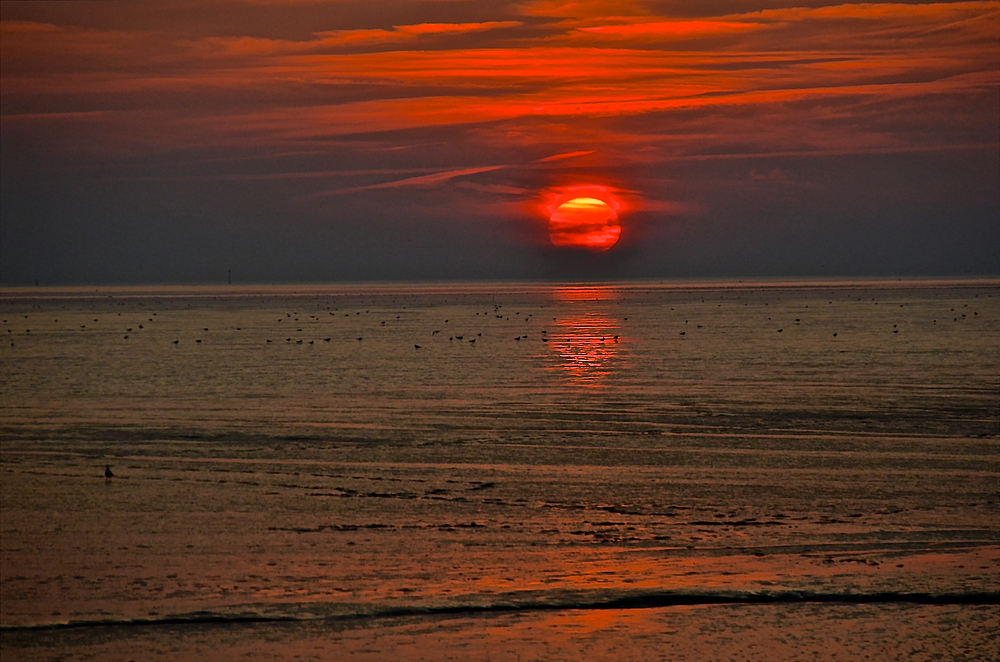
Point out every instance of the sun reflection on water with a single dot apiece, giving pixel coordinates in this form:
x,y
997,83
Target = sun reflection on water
x,y
587,340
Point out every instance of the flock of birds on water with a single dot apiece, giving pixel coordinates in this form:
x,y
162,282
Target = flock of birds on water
x,y
292,316
496,308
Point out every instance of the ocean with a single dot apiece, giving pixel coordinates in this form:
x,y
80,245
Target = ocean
x,y
683,470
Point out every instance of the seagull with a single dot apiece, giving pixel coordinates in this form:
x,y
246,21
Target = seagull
x,y
107,473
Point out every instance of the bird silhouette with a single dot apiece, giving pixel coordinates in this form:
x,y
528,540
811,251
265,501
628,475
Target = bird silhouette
x,y
107,473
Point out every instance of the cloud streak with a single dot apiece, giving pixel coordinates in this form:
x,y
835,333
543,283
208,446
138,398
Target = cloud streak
x,y
433,178
422,180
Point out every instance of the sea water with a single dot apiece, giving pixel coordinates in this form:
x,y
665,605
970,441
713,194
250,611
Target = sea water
x,y
501,470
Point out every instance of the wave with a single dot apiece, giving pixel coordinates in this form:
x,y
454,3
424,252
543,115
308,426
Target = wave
x,y
639,600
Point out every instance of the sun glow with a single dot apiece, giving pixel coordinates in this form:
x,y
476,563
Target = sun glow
x,y
584,217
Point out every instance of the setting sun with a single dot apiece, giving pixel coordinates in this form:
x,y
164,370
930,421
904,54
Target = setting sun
x,y
584,217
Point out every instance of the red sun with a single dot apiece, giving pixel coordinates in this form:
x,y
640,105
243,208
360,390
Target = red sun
x,y
584,217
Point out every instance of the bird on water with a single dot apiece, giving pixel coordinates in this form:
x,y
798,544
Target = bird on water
x,y
107,473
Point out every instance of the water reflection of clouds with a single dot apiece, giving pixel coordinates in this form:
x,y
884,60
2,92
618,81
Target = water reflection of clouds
x,y
586,336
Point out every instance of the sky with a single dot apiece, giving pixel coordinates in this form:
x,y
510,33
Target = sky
x,y
280,141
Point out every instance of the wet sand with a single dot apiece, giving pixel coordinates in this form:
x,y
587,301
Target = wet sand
x,y
189,560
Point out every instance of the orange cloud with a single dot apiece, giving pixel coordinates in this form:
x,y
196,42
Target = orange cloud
x,y
406,32
660,30
566,155
595,60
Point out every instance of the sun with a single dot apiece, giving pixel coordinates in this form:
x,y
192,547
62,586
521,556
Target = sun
x,y
584,217
584,223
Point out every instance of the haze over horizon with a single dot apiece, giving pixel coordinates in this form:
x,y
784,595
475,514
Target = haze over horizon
x,y
323,141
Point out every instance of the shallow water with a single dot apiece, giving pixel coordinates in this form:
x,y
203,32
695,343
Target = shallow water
x,y
635,441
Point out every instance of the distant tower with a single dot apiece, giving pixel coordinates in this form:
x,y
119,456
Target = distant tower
x,y
229,276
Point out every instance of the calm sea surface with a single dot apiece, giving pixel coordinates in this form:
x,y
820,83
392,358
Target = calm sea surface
x,y
431,466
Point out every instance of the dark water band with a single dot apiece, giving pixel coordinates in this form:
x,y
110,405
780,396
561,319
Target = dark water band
x,y
648,600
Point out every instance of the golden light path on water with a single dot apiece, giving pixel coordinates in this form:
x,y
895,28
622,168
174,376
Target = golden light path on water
x,y
587,343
